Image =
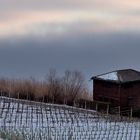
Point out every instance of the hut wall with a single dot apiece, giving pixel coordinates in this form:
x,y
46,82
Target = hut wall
x,y
123,95
106,91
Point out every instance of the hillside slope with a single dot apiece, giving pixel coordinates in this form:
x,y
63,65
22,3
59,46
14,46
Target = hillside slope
x,y
40,121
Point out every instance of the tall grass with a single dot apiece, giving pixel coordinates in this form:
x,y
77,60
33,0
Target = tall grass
x,y
66,89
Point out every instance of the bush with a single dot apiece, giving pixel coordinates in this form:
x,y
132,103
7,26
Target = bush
x,y
66,89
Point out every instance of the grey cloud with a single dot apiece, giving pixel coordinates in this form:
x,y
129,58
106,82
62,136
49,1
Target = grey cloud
x,y
41,4
100,5
92,54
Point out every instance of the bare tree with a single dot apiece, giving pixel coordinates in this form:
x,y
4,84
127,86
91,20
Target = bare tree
x,y
73,86
4,87
41,91
66,89
54,86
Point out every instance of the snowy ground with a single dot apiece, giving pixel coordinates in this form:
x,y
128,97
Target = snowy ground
x,y
39,121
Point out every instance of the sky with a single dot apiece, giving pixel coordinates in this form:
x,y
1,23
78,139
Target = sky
x,y
92,36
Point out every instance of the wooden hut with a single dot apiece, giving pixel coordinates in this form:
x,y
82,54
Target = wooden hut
x,y
120,88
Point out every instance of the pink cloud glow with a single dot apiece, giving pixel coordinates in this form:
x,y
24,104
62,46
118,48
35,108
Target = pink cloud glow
x,y
64,17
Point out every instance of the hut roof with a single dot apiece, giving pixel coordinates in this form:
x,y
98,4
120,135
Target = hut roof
x,y
120,76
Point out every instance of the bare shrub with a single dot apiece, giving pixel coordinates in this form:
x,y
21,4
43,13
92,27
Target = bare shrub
x,y
65,89
73,86
41,91
4,87
54,86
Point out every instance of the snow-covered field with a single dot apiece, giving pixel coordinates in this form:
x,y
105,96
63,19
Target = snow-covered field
x,y
26,120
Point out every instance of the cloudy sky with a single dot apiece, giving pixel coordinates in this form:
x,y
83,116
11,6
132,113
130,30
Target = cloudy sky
x,y
92,36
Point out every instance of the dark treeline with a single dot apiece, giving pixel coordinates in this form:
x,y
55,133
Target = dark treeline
x,y
65,89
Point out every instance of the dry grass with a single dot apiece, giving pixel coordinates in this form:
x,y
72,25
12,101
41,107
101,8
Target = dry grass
x,y
66,89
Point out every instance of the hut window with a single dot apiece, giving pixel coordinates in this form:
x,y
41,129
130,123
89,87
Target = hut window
x,y
106,99
106,85
128,85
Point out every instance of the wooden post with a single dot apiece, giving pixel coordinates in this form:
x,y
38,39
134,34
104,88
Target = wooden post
x,y
85,105
119,110
96,106
74,104
18,95
119,92
107,109
131,113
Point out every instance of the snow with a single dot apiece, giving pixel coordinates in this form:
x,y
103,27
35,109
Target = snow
x,y
40,121
109,76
